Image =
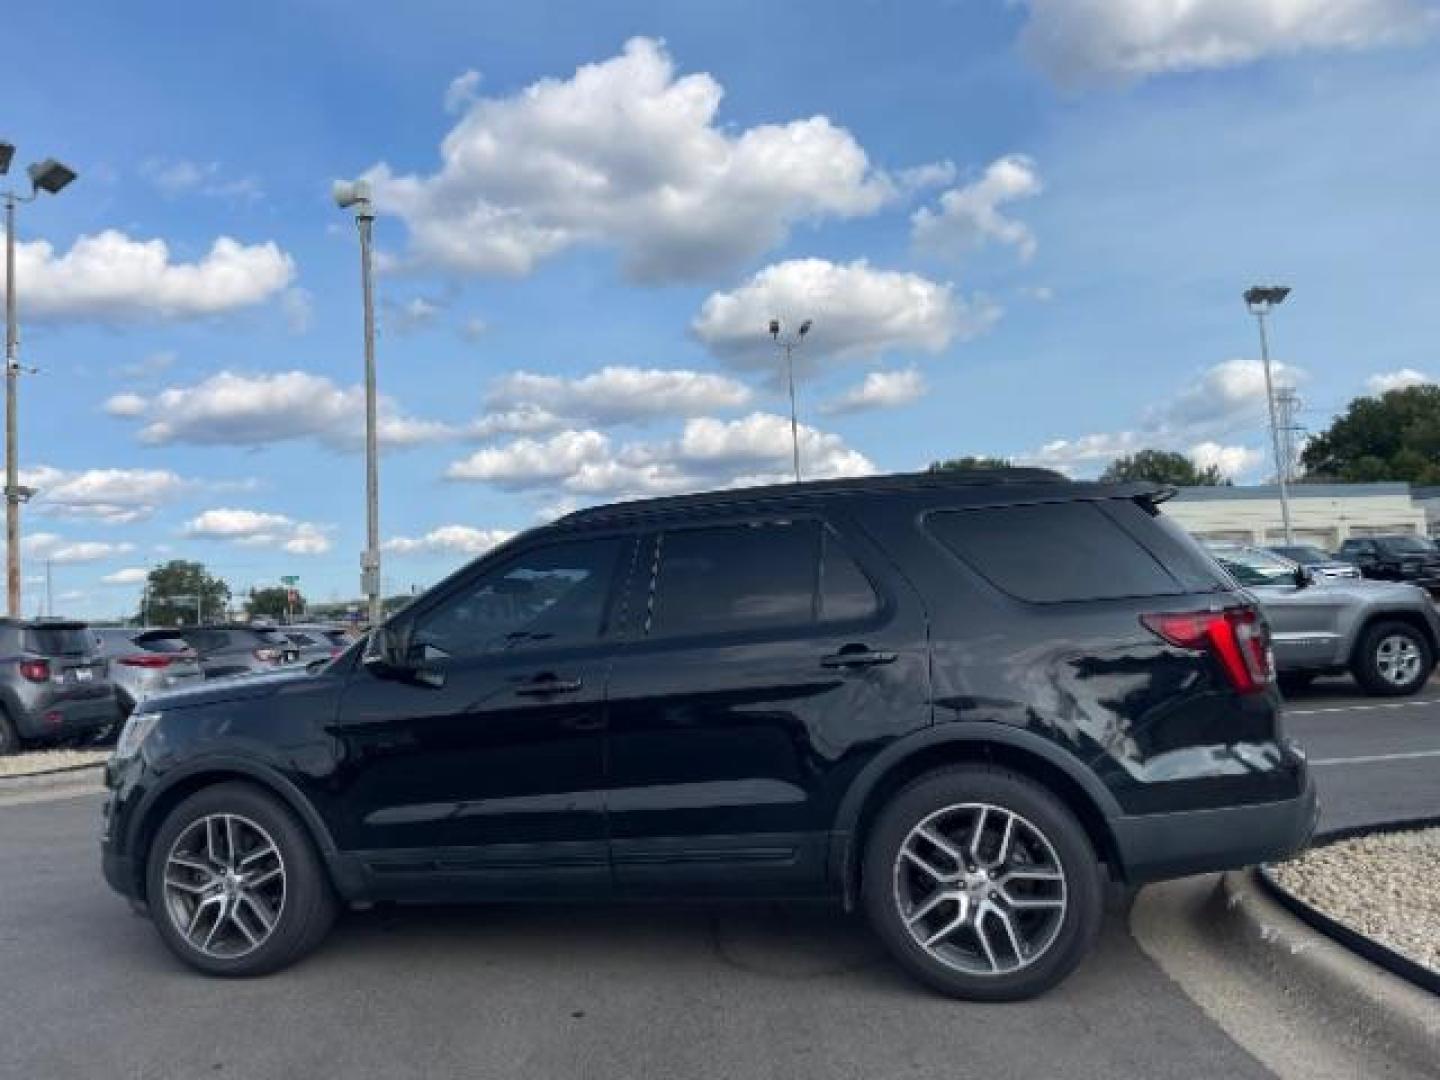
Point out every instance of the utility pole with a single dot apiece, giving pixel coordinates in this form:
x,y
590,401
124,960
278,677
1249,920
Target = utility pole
x,y
1261,300
48,176
789,345
1287,404
356,194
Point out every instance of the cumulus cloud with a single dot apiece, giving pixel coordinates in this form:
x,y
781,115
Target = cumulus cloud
x,y
612,395
114,496
1231,391
51,547
967,218
131,575
708,453
127,405
858,311
1385,381
448,540
232,409
109,277
628,154
258,528
1088,41
462,91
880,390
1231,461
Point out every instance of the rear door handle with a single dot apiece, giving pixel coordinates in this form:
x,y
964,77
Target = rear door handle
x,y
857,658
545,685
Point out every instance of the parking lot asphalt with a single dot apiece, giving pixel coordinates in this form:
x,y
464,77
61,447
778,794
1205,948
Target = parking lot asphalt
x,y
784,991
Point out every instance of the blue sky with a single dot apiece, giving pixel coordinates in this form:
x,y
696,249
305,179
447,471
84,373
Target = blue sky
x,y
1022,228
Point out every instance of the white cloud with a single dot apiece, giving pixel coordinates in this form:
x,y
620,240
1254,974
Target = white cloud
x,y
616,395
448,539
970,217
521,420
180,176
51,547
1385,381
109,277
880,390
230,409
127,405
1232,461
709,453
1086,41
257,528
857,311
114,496
131,575
625,154
462,91
1099,448
1225,394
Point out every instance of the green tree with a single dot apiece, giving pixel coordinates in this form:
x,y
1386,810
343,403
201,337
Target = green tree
x,y
969,462
1395,436
1162,467
273,602
171,593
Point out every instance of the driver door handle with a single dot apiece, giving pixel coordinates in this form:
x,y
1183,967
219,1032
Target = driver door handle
x,y
544,685
852,656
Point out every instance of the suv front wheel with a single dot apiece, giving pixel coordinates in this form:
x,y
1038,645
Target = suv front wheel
x,y
982,884
235,885
1393,659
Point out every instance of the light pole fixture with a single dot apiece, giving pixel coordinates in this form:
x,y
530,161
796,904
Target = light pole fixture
x,y
355,194
1261,300
790,344
48,176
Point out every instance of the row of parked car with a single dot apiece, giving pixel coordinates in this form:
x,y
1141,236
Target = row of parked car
x,y
62,680
1414,560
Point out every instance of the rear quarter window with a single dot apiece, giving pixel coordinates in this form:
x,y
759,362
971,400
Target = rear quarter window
x,y
1053,552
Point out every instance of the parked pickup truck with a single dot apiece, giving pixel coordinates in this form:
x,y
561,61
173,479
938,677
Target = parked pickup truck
x,y
1386,634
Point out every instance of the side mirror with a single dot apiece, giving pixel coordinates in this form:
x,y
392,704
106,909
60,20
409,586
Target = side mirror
x,y
386,650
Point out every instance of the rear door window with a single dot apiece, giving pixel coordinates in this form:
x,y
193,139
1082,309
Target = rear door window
x,y
845,591
1052,552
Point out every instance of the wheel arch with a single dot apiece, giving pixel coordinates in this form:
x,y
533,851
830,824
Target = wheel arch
x,y
1413,619
1024,752
206,773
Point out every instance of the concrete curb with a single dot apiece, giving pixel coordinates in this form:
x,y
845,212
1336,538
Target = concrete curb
x,y
68,777
1378,1005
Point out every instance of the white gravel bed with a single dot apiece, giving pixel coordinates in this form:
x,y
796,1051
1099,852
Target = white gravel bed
x,y
1384,886
37,761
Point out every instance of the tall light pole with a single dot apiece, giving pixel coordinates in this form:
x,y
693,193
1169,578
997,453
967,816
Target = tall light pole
x,y
48,176
790,344
1261,300
357,194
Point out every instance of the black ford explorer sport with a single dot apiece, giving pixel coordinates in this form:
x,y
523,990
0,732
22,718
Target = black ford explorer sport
x,y
960,701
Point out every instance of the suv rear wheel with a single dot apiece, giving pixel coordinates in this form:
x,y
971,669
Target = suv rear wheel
x,y
9,736
1394,659
235,885
982,884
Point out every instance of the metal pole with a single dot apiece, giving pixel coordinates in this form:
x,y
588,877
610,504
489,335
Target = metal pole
x,y
49,591
12,439
1274,427
370,563
794,423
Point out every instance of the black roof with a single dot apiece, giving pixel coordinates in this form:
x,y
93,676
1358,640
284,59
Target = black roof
x,y
1039,483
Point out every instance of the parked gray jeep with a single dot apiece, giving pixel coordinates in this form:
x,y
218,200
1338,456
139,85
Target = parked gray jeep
x,y
1386,634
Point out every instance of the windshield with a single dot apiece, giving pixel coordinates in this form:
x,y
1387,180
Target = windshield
x,y
68,640
1408,545
1303,554
1251,566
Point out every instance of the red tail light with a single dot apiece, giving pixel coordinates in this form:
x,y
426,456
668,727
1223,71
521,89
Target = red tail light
x,y
147,660
35,670
1236,637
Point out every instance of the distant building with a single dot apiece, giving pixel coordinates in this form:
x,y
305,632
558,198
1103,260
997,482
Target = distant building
x,y
1321,514
1428,499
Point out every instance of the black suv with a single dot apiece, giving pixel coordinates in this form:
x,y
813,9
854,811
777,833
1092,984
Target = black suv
x,y
1395,558
957,700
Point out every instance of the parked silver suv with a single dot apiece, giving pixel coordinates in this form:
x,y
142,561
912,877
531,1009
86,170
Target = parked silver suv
x,y
52,684
143,662
1385,634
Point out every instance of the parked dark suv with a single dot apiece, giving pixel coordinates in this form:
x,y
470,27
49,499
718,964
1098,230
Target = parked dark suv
x,y
1395,558
53,685
957,700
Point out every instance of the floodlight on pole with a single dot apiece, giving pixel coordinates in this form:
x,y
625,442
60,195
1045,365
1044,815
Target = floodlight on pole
x,y
789,345
355,195
48,176
1261,300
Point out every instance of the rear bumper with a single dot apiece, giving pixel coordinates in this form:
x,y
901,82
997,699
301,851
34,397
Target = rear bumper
x,y
56,719
1157,847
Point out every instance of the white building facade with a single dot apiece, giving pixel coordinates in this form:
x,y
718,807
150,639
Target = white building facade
x,y
1321,514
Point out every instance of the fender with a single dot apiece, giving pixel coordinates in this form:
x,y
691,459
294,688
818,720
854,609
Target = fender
x,y
973,732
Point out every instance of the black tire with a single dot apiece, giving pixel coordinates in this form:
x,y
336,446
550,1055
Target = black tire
x,y
1367,665
9,736
1083,886
308,907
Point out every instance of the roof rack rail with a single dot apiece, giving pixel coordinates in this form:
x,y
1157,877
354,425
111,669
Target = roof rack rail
x,y
887,482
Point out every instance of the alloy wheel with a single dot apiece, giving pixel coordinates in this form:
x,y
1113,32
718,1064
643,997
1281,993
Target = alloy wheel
x,y
980,889
224,885
1398,659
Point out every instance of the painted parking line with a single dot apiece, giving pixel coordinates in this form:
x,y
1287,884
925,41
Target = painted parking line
x,y
1364,708
1368,759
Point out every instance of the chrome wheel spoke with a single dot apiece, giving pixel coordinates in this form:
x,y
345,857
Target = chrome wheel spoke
x,y
224,885
978,833
984,939
1009,926
933,838
949,928
918,860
